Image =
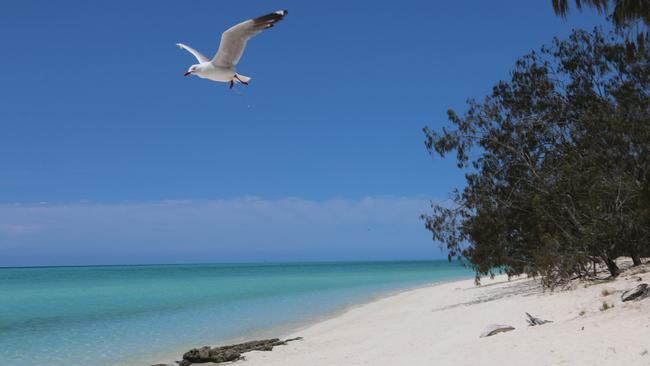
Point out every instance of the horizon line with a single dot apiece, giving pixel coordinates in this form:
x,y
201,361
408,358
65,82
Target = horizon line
x,y
233,263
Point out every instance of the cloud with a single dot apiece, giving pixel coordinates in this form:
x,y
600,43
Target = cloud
x,y
17,229
238,229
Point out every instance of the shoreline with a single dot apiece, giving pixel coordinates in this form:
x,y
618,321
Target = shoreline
x,y
286,330
353,306
441,324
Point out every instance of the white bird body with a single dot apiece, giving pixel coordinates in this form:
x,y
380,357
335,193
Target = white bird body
x,y
210,71
222,67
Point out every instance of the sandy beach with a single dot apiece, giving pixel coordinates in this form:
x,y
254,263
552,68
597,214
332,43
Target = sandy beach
x,y
441,325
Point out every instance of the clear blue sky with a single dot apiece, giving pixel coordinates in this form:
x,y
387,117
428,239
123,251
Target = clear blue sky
x,y
96,117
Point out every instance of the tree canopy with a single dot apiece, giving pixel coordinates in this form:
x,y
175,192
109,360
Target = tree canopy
x,y
623,12
557,163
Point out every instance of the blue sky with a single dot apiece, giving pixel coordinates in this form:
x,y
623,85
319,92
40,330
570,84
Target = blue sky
x,y
100,131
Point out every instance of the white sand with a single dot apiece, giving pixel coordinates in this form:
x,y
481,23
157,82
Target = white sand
x,y
440,325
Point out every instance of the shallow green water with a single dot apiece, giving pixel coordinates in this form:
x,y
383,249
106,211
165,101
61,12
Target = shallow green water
x,y
108,315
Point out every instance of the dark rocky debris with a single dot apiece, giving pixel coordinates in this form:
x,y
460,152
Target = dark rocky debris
x,y
229,353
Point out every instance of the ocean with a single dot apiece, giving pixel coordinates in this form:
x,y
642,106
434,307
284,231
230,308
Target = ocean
x,y
128,315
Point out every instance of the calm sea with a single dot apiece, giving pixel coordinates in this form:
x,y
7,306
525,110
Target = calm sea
x,y
115,315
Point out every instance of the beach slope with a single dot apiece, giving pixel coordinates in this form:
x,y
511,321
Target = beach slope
x,y
441,325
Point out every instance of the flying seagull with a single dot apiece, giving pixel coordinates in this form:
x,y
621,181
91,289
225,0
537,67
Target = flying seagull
x,y
233,41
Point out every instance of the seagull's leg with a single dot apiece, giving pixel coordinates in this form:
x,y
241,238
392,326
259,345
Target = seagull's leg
x,y
240,80
232,83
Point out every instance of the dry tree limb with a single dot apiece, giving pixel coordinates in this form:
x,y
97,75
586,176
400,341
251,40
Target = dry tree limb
x,y
532,321
230,353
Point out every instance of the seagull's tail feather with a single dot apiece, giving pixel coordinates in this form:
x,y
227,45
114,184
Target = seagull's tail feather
x,y
242,79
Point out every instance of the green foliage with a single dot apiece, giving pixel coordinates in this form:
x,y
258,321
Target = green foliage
x,y
624,11
557,164
630,17
606,306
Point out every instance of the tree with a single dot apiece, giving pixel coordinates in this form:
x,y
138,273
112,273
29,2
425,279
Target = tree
x,y
631,18
557,164
624,12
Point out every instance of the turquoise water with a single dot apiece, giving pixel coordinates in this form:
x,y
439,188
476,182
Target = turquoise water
x,y
110,315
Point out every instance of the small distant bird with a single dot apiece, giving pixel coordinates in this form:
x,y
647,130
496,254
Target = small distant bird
x,y
233,41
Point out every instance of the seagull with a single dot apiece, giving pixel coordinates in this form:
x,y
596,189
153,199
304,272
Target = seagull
x,y
233,41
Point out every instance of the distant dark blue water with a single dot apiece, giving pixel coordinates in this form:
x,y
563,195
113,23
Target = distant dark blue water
x,y
110,315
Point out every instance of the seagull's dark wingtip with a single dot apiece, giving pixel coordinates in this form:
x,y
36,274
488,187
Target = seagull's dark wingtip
x,y
276,16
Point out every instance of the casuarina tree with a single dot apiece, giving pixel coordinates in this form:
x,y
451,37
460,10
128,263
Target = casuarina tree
x,y
557,163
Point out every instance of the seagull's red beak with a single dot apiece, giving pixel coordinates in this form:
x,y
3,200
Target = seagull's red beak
x,y
187,73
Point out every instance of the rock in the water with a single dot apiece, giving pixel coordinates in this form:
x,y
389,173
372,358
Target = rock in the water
x,y
493,329
638,293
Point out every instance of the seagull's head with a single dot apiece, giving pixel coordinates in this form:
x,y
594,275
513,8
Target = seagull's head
x,y
191,70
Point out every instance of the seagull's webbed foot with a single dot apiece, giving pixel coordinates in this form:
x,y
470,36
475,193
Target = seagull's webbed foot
x,y
232,83
241,81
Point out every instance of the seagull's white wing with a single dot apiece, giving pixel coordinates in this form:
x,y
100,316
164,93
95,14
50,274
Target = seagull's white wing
x,y
233,41
199,56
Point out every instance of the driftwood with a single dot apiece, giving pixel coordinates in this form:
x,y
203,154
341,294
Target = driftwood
x,y
229,353
493,329
532,321
638,293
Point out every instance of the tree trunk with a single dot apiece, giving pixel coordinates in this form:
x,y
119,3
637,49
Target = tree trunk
x,y
636,259
612,267
595,268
